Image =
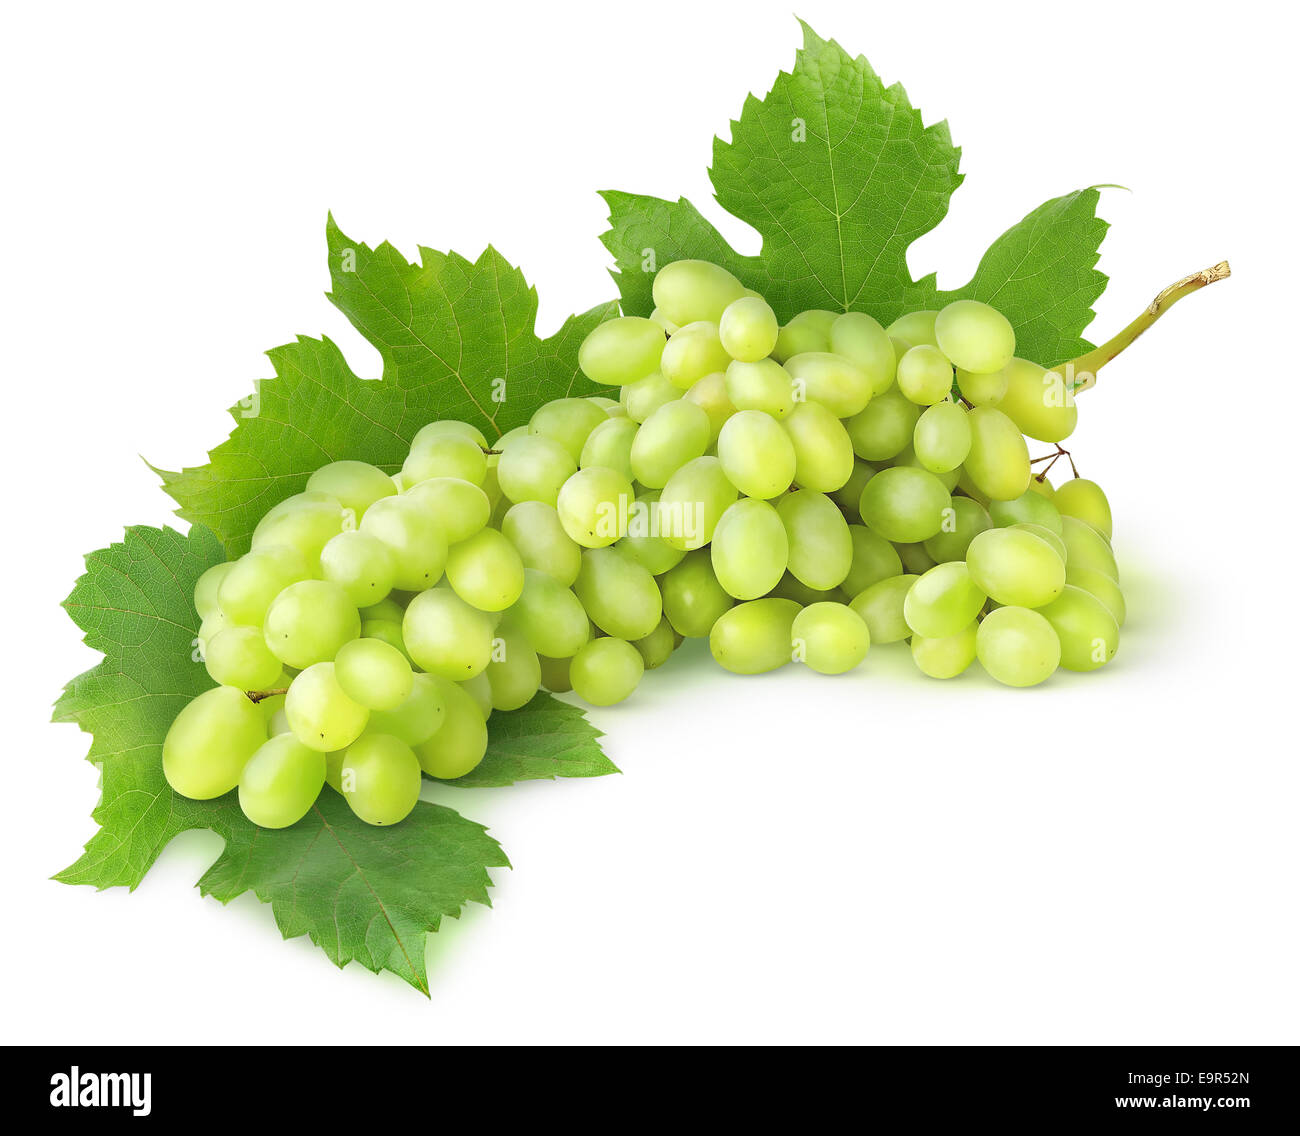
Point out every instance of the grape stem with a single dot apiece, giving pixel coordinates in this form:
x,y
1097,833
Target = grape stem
x,y
1052,459
1082,372
260,695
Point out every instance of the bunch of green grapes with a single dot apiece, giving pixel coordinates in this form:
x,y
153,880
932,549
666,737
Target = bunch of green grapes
x,y
790,493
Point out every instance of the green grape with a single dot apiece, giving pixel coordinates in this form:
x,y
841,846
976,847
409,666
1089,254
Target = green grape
x,y
915,558
941,438
748,329
690,290
239,656
207,588
304,522
1039,402
963,521
849,494
387,609
975,336
356,485
514,674
874,559
947,479
643,542
479,689
621,351
808,331
969,488
998,462
386,631
446,636
830,637
209,743
620,596
821,548
915,328
947,657
750,550
943,601
924,375
1085,500
245,592
832,380
281,782
210,628
791,589
594,506
1029,508
534,528
754,637
674,434
1044,533
373,673
550,616
380,779
610,445
555,674
459,507
656,648
861,340
568,421
693,351
641,399
320,714
881,608
983,390
757,455
663,321
419,716
1015,567
1099,584
309,621
445,455
885,428
693,597
1017,646
710,395
1087,548
611,406
361,564
486,571
412,536
822,448
449,426
533,468
606,671
764,386
461,743
904,504
691,503
1086,628
277,721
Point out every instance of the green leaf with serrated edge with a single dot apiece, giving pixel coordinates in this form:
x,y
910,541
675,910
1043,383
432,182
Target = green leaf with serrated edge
x,y
839,175
545,739
447,329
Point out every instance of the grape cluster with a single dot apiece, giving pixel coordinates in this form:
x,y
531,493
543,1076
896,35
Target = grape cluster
x,y
792,492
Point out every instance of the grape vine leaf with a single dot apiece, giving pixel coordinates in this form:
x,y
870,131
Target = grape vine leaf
x,y
839,175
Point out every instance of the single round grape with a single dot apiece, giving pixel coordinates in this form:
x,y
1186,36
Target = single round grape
x,y
610,445
361,564
860,339
245,592
1085,500
885,428
941,437
915,328
309,621
210,741
764,385
674,434
239,656
304,522
693,597
904,504
983,390
620,596
555,674
458,507
943,601
461,743
998,462
281,782
754,637
691,503
830,637
373,673
807,331
1087,548
386,631
621,351
748,329
1039,402
380,778
831,380
533,468
1045,534
750,549
757,455
1029,508
642,398
534,528
514,674
419,716
606,671
925,375
822,447
568,421
881,608
1086,628
690,290
594,505
486,571
357,485
655,649
947,657
320,714
412,536
963,521
446,636
445,455
550,616
1015,568
710,395
389,609
693,351
821,548
1017,646
643,542
207,588
874,559
975,336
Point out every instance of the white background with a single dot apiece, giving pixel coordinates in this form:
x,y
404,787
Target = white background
x,y
878,858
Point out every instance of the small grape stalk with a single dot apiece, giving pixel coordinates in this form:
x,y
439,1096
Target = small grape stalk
x,y
790,493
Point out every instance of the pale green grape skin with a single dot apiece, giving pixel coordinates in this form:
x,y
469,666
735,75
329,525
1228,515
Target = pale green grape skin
x,y
656,648
693,351
419,716
750,549
620,596
975,336
831,638
998,462
238,656
1015,568
534,528
1029,508
357,485
459,507
606,671
756,453
942,601
533,468
849,494
568,421
822,448
874,559
281,782
245,592
676,433
748,329
947,479
555,674
690,290
663,321
754,637
983,390
386,631
941,438
594,506
1017,646
611,406
621,351
210,741
446,636
831,380
963,521
486,571
514,674
915,328
860,339
320,714
550,616
904,504
881,608
884,429
693,597
808,331
1038,402
373,673
710,395
764,386
309,621
924,375
1098,584
211,627
1087,548
642,542
479,689
361,564
821,547
691,503
388,609
1085,500
610,445
915,558
445,455
304,522
442,427
461,743
417,544
1087,630
947,657
1045,534
790,588
207,587
641,399
381,780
